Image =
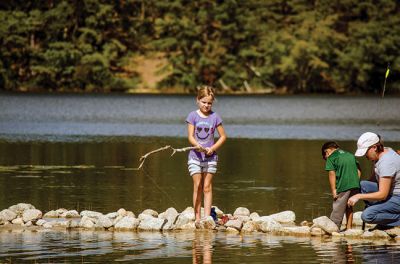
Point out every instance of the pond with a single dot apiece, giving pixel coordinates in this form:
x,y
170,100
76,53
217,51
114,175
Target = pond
x,y
79,152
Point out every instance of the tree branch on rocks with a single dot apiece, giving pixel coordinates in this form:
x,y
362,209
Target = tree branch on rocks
x,y
174,150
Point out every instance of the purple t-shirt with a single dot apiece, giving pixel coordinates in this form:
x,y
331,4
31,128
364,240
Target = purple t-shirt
x,y
204,128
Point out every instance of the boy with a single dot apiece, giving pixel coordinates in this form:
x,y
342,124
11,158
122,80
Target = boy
x,y
344,178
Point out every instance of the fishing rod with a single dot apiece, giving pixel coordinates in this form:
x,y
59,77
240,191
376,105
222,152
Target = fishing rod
x,y
383,91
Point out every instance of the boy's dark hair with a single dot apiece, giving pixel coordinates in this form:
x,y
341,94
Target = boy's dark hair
x,y
328,145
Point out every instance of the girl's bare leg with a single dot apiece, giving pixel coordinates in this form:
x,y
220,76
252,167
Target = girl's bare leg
x,y
197,194
207,190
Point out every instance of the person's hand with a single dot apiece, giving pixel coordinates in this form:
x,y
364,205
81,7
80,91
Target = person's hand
x,y
334,195
209,151
353,200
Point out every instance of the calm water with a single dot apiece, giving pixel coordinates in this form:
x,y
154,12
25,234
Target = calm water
x,y
79,151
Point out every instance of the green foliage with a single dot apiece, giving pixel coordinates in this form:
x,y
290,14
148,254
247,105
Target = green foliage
x,y
300,46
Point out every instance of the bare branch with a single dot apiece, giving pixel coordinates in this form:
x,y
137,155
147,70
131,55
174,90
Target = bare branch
x,y
174,150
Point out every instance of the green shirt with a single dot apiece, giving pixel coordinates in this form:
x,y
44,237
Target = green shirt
x,y
345,166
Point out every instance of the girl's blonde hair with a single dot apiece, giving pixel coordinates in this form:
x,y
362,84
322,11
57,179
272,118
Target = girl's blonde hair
x,y
204,91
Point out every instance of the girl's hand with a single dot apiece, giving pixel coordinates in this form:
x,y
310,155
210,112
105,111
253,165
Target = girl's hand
x,y
209,151
353,200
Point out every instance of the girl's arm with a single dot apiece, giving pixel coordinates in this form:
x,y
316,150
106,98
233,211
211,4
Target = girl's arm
x,y
191,138
220,141
381,194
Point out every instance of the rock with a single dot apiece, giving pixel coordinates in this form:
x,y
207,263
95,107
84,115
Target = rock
x,y
207,223
150,212
144,217
394,232
86,222
31,215
353,233
218,211
189,213
61,211
91,214
20,208
40,222
112,216
376,234
51,214
48,225
62,223
232,230
127,223
152,224
267,225
182,221
243,218
7,215
17,221
28,224
241,211
104,221
284,217
317,231
237,224
249,227
170,215
357,221
254,216
121,212
326,224
296,230
70,214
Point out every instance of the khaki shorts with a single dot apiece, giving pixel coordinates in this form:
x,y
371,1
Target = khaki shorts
x,y
339,206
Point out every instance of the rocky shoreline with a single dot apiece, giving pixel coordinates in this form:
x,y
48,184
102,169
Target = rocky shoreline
x,y
26,217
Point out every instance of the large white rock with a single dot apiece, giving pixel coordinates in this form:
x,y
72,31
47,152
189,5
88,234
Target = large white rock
x,y
235,223
31,215
267,225
250,226
170,215
284,217
7,215
121,212
326,224
296,230
150,212
91,214
18,221
87,223
207,223
51,214
20,208
127,223
104,221
152,224
243,211
254,216
70,214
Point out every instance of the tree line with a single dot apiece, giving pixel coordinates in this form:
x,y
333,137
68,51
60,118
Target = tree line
x,y
286,46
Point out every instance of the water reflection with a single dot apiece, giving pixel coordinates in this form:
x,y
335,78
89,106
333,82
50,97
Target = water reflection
x,y
202,248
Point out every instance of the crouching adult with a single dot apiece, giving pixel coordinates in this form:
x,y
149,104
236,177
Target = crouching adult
x,y
381,192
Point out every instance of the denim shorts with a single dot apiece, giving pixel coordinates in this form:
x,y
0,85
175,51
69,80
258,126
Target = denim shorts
x,y
196,166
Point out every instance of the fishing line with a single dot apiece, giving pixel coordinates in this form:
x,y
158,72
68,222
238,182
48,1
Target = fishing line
x,y
147,174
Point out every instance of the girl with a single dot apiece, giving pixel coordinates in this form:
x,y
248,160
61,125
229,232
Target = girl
x,y
202,163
